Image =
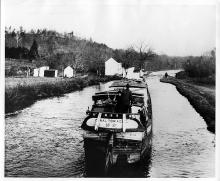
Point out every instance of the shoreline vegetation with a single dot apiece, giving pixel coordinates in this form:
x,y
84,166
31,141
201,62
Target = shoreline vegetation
x,y
25,91
201,97
42,47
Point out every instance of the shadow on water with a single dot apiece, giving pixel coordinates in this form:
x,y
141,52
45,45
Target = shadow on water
x,y
125,170
122,169
135,170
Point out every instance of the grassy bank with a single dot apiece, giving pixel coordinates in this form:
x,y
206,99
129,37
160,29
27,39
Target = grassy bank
x,y
200,97
22,92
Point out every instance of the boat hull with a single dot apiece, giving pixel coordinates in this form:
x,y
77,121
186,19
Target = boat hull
x,y
103,150
113,136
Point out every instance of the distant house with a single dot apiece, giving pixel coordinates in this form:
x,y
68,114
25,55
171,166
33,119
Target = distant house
x,y
50,73
112,67
133,75
69,72
42,69
39,72
130,73
36,72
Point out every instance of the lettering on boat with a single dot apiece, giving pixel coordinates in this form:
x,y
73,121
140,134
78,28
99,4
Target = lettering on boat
x,y
113,123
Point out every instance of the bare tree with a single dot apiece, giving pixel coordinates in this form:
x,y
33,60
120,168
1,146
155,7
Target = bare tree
x,y
146,53
129,57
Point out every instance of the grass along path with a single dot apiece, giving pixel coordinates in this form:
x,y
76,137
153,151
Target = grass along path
x,y
22,92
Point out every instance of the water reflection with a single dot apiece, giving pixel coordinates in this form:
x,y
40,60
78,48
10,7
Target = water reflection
x,y
135,170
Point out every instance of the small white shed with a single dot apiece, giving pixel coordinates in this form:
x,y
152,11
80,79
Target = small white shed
x,y
68,72
130,73
50,73
112,67
133,75
36,72
42,69
39,72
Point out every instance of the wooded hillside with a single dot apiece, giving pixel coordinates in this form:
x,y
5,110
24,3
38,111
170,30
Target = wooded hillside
x,y
59,50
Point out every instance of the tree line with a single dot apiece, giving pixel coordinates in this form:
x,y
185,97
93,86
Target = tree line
x,y
22,52
59,50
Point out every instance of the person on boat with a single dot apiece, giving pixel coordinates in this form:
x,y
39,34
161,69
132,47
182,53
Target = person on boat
x,y
126,100
166,75
119,102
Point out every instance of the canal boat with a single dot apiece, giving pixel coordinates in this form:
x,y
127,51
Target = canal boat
x,y
111,136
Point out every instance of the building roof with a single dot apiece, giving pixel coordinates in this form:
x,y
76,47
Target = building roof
x,y
111,59
51,70
70,67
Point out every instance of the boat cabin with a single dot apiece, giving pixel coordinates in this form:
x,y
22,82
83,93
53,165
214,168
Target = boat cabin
x,y
105,106
107,102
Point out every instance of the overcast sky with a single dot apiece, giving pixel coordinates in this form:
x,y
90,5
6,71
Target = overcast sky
x,y
173,29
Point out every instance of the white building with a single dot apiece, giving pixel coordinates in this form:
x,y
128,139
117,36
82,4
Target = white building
x,y
112,67
42,69
130,73
68,72
133,75
39,72
50,73
36,72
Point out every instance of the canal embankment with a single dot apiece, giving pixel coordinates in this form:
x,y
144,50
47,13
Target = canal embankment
x,y
200,97
49,137
22,92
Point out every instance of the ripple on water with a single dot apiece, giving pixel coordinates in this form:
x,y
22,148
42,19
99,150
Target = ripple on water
x,y
45,140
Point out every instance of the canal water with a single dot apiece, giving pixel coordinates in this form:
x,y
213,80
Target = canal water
x,y
45,140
